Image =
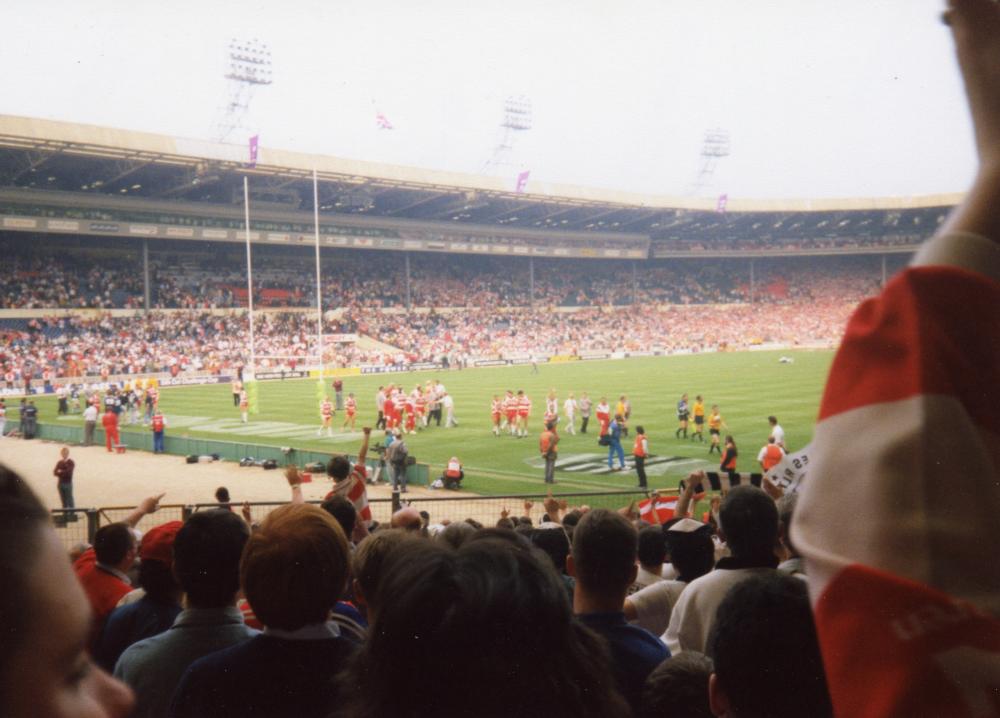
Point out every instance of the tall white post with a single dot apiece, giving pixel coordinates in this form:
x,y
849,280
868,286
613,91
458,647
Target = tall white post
x,y
319,289
246,219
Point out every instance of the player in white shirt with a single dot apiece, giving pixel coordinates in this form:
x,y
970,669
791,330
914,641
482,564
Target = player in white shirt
x,y
777,432
569,409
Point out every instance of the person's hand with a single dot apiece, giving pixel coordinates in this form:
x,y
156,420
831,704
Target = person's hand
x,y
527,507
504,512
150,504
551,505
367,430
563,504
630,512
654,495
247,514
772,489
293,476
694,479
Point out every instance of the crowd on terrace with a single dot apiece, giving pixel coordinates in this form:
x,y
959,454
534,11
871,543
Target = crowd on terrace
x,y
83,346
479,307
44,275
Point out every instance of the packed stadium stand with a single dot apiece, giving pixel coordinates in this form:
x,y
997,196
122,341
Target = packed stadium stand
x,y
151,231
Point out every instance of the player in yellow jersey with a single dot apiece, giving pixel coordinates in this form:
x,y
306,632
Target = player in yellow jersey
x,y
698,410
715,424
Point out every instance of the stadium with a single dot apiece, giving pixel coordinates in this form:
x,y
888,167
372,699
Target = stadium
x,y
130,257
417,386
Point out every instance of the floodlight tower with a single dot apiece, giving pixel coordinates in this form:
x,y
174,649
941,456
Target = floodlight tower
x,y
714,147
248,67
516,119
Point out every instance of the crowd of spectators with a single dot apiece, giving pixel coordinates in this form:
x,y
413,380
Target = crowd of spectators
x,y
47,277
479,308
320,611
797,244
198,341
78,280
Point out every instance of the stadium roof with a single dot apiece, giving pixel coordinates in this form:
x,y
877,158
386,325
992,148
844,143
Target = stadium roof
x,y
46,154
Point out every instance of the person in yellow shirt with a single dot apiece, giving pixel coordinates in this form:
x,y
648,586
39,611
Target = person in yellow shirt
x,y
699,419
715,424
623,409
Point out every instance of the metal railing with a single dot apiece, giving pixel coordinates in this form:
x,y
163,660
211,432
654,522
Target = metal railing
x,y
78,526
487,509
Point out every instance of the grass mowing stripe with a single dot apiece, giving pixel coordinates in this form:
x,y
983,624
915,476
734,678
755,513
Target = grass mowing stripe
x,y
748,386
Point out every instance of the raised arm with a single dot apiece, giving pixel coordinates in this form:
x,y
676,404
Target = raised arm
x,y
149,505
363,451
683,508
295,483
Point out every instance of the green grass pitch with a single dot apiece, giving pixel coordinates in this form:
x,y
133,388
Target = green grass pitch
x,y
748,386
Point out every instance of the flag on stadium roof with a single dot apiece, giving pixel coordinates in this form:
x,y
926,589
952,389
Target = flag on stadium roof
x,y
382,121
253,150
720,205
522,181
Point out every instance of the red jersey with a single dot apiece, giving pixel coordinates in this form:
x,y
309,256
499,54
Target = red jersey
x,y
158,422
510,406
326,409
103,588
523,406
353,489
351,406
496,407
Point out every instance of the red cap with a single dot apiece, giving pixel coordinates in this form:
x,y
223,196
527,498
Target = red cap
x,y
158,543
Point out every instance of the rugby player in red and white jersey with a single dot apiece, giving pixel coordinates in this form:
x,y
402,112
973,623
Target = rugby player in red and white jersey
x,y
349,481
420,404
510,410
496,411
603,413
389,408
350,411
410,405
326,416
523,411
551,403
399,406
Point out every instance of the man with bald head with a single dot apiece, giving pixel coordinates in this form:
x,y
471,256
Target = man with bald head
x,y
408,519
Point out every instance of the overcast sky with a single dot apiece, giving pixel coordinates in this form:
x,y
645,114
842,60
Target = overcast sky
x,y
820,98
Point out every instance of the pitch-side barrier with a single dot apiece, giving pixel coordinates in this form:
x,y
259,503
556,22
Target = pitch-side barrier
x,y
78,526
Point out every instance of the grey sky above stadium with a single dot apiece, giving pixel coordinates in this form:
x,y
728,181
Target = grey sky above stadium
x,y
821,99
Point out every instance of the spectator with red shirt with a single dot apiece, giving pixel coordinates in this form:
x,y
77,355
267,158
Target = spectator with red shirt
x,y
150,609
103,569
110,423
349,481
158,423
